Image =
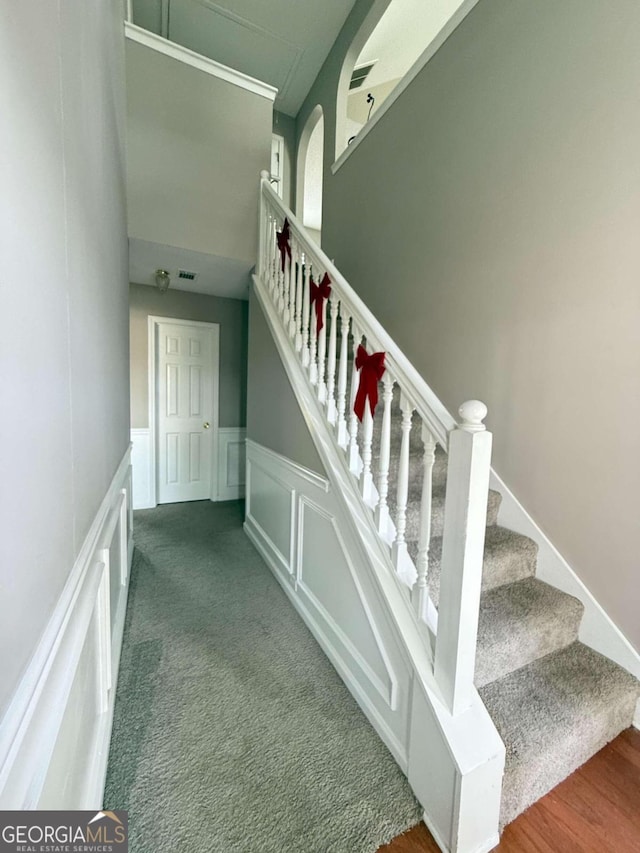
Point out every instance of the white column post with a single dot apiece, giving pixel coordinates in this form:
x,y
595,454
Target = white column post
x,y
465,522
262,228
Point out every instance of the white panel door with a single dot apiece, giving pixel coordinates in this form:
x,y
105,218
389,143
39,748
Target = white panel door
x,y
185,378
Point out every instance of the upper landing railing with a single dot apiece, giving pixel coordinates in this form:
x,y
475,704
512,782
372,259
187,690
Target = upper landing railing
x,y
346,356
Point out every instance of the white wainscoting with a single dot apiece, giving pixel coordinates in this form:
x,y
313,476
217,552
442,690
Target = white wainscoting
x,y
54,737
294,521
142,462
229,471
231,463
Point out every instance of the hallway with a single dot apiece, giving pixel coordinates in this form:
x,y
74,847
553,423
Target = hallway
x,y
232,730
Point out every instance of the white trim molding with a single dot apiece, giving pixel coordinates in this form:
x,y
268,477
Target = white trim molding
x,y
142,468
196,60
55,734
231,463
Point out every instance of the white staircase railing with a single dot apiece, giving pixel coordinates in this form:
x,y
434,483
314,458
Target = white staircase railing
x,y
334,336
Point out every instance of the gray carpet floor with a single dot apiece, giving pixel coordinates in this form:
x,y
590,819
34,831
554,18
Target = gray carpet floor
x,y
232,731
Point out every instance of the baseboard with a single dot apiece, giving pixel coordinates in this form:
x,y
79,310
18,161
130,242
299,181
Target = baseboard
x,y
597,629
54,736
141,462
231,463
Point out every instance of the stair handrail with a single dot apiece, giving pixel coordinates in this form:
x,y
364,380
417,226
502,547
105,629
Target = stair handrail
x,y
467,443
426,402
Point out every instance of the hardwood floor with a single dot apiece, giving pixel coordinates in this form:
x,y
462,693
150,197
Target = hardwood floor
x,y
595,810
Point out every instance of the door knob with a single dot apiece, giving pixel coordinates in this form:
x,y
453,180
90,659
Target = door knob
x,y
206,424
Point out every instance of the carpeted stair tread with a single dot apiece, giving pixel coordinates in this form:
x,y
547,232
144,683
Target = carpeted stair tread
x,y
553,715
437,511
508,557
521,622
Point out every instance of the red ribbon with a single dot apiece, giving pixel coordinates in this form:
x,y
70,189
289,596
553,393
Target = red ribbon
x,y
284,246
320,292
371,369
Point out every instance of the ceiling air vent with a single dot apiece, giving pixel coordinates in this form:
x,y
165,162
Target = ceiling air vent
x,y
360,75
185,275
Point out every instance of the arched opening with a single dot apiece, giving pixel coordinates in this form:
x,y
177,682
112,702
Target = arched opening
x,y
310,168
388,53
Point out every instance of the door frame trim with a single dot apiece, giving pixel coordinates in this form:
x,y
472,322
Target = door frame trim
x,y
153,321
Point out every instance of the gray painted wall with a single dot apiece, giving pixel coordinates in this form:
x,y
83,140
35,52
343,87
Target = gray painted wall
x,y
195,149
274,418
231,314
496,237
64,378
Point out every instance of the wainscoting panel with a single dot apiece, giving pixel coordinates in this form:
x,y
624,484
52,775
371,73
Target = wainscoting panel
x,y
231,463
54,737
141,462
346,615
329,583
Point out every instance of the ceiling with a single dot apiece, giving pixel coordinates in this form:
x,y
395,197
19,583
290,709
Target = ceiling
x,y
281,42
216,276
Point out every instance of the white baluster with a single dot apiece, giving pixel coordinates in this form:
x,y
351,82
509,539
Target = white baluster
x,y
400,553
299,299
421,589
332,412
465,519
383,520
367,489
343,435
322,354
286,289
275,261
355,463
305,314
295,268
313,336
262,230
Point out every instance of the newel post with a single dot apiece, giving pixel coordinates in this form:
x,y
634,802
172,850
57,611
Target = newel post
x,y
262,229
465,519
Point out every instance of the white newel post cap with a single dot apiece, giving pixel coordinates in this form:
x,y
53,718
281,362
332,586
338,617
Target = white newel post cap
x,y
473,412
264,175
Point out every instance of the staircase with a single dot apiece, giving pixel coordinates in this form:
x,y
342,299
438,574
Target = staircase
x,y
419,483
554,701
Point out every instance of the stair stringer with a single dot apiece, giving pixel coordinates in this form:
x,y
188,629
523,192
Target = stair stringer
x,y
454,764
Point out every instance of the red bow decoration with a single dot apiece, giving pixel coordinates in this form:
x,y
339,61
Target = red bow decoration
x,y
320,292
371,369
284,247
